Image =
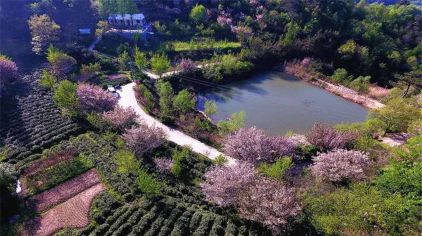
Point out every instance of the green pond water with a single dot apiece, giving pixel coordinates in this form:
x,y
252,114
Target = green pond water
x,y
278,103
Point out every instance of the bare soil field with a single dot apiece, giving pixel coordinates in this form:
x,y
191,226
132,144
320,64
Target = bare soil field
x,y
62,192
71,213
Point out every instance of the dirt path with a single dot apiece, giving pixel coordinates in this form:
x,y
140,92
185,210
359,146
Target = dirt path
x,y
349,94
128,99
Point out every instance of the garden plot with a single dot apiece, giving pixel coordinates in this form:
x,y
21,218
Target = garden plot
x,y
72,213
63,192
32,123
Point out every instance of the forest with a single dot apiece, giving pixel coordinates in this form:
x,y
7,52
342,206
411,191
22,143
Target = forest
x,y
104,129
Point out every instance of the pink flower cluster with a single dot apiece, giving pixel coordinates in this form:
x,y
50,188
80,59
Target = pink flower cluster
x,y
223,183
164,165
186,65
268,202
8,70
255,197
121,118
340,165
224,20
143,139
94,99
254,146
326,137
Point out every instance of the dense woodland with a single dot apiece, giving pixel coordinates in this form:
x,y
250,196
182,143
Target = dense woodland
x,y
63,135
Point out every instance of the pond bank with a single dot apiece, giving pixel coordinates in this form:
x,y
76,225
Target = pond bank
x,y
316,79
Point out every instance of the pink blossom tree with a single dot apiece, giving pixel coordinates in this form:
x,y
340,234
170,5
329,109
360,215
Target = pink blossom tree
x,y
143,139
94,99
163,165
186,65
326,137
224,19
254,146
268,202
223,184
340,165
8,71
120,118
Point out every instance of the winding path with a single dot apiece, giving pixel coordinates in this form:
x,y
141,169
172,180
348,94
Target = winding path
x,y
128,99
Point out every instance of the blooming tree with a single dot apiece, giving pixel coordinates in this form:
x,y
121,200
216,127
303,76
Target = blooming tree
x,y
340,165
121,118
326,137
223,184
254,146
224,19
164,165
186,65
8,71
268,202
94,99
143,139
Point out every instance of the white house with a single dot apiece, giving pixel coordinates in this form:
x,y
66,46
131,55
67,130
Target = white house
x,y
127,19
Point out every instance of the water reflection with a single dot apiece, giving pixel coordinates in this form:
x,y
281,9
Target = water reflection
x,y
278,103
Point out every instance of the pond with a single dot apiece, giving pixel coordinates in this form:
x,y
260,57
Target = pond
x,y
278,103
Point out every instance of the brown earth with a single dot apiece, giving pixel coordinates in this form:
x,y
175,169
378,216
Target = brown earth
x,y
71,213
64,191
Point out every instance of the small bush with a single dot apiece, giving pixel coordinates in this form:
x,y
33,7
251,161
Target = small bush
x,y
277,170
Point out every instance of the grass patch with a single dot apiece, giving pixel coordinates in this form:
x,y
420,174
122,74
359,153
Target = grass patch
x,y
47,178
179,46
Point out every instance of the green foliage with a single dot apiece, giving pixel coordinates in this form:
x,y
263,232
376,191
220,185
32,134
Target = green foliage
x,y
148,98
358,209
124,60
126,162
160,63
179,158
166,94
277,170
210,107
48,80
341,76
98,122
398,114
179,46
148,184
220,160
184,102
65,97
360,84
236,122
293,29
349,48
198,14
140,59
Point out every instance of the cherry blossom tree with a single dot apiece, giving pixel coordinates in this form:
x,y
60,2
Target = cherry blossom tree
x,y
121,118
224,19
223,184
254,146
186,65
8,71
143,139
268,202
340,165
164,165
326,137
94,99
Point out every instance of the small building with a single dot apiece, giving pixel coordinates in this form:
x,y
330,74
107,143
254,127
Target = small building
x,y
127,19
138,19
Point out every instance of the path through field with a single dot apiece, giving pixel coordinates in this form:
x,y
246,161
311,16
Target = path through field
x,y
128,99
